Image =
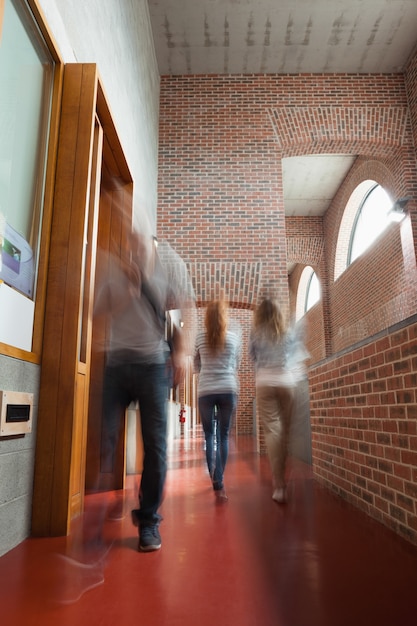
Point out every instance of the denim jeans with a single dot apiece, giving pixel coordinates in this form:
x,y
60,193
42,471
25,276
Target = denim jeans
x,y
147,384
216,412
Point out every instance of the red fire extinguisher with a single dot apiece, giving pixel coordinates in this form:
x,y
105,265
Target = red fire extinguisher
x,y
182,415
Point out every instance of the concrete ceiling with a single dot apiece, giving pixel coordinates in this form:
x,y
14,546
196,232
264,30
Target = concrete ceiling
x,y
311,182
282,37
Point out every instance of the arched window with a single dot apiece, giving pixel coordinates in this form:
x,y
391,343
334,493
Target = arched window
x,y
364,219
370,221
313,291
308,291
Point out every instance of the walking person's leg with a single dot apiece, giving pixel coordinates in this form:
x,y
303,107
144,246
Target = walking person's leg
x,y
115,399
226,404
151,391
86,544
269,414
285,398
206,409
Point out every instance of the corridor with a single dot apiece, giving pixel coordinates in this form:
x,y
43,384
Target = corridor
x,y
247,562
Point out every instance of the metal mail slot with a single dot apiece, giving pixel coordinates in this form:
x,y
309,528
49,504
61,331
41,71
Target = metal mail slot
x,y
17,413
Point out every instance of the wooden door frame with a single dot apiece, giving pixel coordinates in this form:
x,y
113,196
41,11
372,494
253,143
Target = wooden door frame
x,y
59,476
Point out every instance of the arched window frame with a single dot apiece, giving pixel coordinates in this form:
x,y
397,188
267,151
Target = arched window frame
x,y
355,226
313,283
304,287
349,223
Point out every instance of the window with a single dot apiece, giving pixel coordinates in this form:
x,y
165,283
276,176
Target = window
x,y
308,291
313,291
370,221
364,219
26,74
26,89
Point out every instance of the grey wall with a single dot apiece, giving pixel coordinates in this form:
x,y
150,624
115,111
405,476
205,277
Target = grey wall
x,y
17,456
116,35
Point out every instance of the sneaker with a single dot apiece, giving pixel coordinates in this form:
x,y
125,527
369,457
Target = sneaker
x,y
149,538
221,495
73,579
280,495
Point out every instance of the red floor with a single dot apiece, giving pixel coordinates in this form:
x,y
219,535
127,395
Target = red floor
x,y
249,562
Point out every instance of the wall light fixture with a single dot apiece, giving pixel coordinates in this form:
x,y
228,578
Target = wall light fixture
x,y
398,210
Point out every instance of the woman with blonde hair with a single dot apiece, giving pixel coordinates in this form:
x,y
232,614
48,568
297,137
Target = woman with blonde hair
x,y
270,346
216,359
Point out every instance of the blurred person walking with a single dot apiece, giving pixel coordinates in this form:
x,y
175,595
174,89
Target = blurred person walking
x,y
278,355
217,359
135,297
137,286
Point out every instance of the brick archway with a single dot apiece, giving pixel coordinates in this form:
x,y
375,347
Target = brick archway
x,y
370,130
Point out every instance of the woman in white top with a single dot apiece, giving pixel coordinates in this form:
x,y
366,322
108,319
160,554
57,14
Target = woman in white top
x,y
217,358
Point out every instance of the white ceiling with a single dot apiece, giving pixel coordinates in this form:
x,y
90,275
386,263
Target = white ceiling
x,y
311,182
282,36
287,36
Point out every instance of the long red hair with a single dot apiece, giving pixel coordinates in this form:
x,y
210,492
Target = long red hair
x,y
216,324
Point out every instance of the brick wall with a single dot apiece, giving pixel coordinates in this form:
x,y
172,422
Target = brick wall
x,y
222,139
364,427
411,89
362,390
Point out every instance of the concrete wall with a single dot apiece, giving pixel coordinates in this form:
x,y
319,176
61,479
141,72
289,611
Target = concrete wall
x,y
117,37
17,456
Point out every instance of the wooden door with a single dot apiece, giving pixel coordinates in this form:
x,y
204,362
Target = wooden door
x,y
87,139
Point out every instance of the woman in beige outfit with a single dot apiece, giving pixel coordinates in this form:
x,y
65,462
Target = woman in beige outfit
x,y
270,346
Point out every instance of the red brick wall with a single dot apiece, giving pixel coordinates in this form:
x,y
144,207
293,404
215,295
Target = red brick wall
x,y
222,139
411,89
364,427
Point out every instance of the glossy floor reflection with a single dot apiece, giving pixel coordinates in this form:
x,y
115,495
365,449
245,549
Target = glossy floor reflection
x,y
250,562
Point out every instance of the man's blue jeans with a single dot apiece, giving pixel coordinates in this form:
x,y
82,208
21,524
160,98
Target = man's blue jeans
x,y
147,384
216,412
